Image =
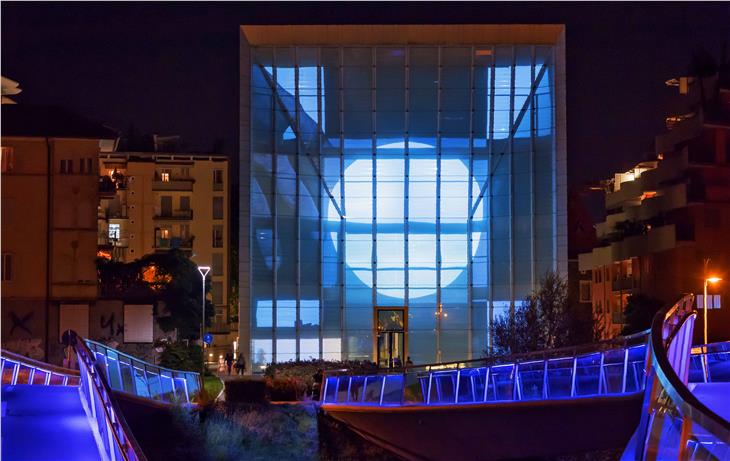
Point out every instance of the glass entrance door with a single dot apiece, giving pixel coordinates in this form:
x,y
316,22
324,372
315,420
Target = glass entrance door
x,y
391,338
390,349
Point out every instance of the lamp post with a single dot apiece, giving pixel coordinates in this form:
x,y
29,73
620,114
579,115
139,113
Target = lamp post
x,y
203,273
708,280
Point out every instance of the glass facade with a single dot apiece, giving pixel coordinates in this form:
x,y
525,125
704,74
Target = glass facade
x,y
420,178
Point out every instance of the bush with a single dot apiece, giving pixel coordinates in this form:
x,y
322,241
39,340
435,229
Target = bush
x,y
286,389
245,391
180,356
305,371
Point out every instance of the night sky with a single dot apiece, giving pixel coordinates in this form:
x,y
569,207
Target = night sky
x,y
172,68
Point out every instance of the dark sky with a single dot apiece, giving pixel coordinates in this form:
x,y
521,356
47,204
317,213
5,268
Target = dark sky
x,y
171,68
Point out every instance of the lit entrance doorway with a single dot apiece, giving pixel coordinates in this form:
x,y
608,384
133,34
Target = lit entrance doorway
x,y
391,343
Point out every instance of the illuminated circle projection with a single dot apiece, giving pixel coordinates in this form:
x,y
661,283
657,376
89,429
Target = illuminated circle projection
x,y
390,212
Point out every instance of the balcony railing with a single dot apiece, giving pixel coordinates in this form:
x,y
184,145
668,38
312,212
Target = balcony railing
x,y
174,242
179,184
624,284
185,215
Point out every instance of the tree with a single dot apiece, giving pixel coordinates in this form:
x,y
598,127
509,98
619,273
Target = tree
x,y
547,319
170,281
639,313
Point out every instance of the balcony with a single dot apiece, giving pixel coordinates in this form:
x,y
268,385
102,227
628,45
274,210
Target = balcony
x,y
174,242
624,284
173,184
217,186
175,215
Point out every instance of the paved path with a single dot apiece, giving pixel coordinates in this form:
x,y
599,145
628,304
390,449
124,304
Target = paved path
x,y
45,423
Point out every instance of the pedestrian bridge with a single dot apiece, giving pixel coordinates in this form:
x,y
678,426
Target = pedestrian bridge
x,y
551,402
50,412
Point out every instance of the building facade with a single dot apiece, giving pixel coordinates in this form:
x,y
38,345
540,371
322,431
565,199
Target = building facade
x,y
49,234
154,202
400,186
668,218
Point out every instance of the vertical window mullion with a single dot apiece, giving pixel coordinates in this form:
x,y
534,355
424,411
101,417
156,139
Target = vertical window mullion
x,y
438,205
275,207
343,223
297,209
469,219
490,196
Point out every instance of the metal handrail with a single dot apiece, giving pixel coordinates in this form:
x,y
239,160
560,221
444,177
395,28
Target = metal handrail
x,y
663,379
121,435
69,376
175,374
568,351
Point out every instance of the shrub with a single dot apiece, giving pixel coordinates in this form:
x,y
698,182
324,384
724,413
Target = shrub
x,y
305,371
286,389
179,356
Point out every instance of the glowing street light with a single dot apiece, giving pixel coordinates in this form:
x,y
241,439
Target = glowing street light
x,y
203,273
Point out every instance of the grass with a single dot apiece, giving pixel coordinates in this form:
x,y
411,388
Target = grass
x,y
213,385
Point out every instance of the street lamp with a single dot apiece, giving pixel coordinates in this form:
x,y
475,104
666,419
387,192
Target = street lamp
x,y
708,280
203,273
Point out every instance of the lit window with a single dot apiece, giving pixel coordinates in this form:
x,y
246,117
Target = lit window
x,y
114,231
165,176
165,233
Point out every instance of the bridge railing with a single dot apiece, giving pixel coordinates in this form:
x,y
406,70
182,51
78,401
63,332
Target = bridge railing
x,y
18,369
608,368
116,436
128,374
674,423
710,363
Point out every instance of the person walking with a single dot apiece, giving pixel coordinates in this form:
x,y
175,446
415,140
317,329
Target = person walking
x,y
240,364
229,362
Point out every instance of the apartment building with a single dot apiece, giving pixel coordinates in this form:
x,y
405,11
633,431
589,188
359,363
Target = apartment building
x,y
668,218
49,232
154,202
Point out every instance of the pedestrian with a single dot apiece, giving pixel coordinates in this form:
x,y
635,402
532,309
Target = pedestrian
x,y
409,362
240,364
229,362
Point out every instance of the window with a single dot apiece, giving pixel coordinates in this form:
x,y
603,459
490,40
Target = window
x,y
217,236
585,291
184,231
218,177
217,264
8,159
85,166
7,269
217,207
184,203
185,172
67,167
165,175
165,233
217,292
114,231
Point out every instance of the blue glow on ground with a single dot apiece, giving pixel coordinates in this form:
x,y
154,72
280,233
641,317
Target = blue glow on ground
x,y
44,423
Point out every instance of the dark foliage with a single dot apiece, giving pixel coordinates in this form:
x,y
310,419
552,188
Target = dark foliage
x,y
180,356
246,391
639,312
170,281
547,319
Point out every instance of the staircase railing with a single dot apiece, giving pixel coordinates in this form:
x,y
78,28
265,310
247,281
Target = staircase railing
x,y
674,423
117,439
128,374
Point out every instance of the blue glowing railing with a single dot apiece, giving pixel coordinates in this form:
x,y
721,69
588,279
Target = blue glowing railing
x,y
128,374
674,423
612,367
17,369
710,363
116,437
